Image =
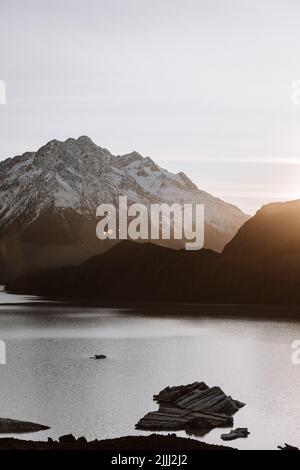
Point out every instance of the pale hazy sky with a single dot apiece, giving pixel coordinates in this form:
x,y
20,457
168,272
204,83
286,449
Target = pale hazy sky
x,y
201,86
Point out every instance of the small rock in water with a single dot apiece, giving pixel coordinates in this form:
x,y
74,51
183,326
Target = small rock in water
x,y
98,356
235,434
287,447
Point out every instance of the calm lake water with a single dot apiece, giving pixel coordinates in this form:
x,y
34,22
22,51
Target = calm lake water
x,y
49,378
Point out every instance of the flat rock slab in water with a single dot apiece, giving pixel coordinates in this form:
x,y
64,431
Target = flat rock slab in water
x,y
235,434
288,447
15,426
190,407
176,419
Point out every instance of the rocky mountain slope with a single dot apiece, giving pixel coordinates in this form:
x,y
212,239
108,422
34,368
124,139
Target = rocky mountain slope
x,y
49,199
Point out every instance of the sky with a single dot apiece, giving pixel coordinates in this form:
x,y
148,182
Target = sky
x,y
200,86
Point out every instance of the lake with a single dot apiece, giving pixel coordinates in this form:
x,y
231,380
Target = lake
x,y
49,378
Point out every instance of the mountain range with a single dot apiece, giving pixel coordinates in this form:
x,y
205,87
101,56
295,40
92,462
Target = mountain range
x,y
49,200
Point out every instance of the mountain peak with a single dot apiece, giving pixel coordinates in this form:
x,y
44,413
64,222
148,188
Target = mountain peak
x,y
132,156
84,139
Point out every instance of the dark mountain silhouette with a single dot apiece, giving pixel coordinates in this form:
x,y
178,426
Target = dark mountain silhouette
x,y
140,271
260,265
274,230
133,271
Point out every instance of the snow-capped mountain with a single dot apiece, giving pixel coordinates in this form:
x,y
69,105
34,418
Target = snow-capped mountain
x,y
49,200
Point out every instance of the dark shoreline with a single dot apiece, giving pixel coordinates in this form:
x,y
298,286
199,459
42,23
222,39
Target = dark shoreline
x,y
133,443
174,309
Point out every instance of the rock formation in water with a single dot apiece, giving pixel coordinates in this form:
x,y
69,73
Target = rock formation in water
x,y
235,434
288,447
196,408
15,426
